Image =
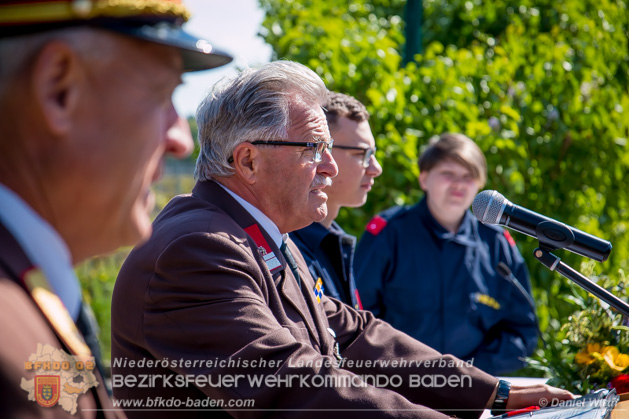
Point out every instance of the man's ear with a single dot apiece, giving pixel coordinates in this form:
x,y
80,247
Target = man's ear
x,y
422,180
246,162
56,77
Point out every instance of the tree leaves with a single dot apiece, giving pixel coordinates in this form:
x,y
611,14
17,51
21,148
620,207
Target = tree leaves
x,y
541,86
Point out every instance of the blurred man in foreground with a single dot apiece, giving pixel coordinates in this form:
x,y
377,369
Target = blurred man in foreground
x,y
85,106
326,248
219,302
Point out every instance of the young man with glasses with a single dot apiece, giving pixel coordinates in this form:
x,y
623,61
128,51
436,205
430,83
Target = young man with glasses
x,y
327,249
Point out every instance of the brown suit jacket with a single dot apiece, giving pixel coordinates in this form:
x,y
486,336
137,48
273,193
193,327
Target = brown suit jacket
x,y
22,327
199,290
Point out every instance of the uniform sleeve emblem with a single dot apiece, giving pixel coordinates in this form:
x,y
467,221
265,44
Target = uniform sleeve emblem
x,y
486,300
359,304
509,238
376,225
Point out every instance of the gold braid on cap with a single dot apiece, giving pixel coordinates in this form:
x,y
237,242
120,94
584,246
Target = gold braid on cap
x,y
58,11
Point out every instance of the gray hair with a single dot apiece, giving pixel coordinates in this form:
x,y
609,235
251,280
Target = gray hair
x,y
18,52
252,106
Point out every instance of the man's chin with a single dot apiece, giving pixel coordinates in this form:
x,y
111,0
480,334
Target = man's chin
x,y
322,212
149,202
142,219
142,230
144,236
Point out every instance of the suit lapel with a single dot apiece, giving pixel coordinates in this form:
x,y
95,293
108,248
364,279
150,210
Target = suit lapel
x,y
17,267
313,307
293,294
283,277
55,312
22,271
12,259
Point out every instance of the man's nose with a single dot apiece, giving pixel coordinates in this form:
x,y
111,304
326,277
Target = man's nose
x,y
327,166
374,169
179,142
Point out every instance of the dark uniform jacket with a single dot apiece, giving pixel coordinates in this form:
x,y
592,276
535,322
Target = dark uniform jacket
x,y
443,288
207,287
329,254
23,326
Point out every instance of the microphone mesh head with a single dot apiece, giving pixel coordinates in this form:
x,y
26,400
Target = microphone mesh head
x,y
487,206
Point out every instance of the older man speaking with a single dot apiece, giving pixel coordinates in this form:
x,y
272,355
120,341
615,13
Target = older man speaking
x,y
219,304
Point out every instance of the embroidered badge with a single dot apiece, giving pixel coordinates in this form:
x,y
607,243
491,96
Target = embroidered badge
x,y
318,290
376,225
486,300
272,262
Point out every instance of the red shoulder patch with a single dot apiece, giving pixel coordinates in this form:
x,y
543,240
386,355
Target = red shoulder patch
x,y
509,238
359,304
376,225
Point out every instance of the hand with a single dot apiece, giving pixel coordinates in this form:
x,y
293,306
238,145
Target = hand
x,y
536,395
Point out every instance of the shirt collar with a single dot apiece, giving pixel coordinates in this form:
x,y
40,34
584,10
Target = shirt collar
x,y
43,246
464,234
264,221
313,235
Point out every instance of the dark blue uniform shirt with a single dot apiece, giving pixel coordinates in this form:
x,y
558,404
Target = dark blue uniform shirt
x,y
329,254
443,288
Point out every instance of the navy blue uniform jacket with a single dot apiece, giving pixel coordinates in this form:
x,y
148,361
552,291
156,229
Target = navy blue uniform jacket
x,y
443,289
329,254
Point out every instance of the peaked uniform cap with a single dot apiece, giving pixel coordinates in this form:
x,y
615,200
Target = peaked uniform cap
x,y
158,21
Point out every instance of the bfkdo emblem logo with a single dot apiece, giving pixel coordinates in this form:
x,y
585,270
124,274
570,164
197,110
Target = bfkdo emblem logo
x,y
47,389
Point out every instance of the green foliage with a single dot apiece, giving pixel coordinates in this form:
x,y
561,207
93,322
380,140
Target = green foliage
x,y
98,275
540,85
591,347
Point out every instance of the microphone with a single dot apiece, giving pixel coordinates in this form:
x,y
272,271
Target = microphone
x,y
490,207
506,273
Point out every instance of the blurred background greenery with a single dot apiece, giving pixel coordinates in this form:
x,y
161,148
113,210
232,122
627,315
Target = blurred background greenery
x,y
541,85
98,274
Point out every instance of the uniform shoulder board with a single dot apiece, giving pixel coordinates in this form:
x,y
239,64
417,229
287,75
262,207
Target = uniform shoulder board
x,y
509,238
380,221
375,225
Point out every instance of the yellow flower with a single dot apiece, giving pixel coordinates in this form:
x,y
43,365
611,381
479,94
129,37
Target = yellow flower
x,y
583,358
586,357
622,361
595,347
615,359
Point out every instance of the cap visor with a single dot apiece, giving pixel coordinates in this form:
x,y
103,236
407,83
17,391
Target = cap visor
x,y
198,54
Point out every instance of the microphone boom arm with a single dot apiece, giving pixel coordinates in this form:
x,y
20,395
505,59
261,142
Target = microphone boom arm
x,y
554,263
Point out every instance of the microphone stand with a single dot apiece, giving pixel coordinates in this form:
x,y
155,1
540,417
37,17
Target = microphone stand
x,y
554,263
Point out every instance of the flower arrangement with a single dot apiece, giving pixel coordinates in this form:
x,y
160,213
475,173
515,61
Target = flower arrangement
x,y
591,350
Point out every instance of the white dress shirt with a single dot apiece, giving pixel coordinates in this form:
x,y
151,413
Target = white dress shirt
x,y
43,246
266,223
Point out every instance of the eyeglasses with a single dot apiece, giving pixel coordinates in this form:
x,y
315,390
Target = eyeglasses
x,y
367,153
318,147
